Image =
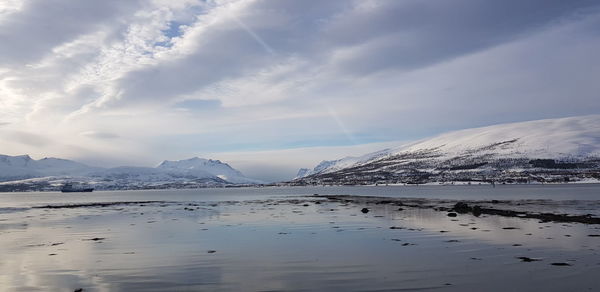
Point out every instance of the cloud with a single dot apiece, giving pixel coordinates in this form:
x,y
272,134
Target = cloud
x,y
41,25
99,135
176,78
29,139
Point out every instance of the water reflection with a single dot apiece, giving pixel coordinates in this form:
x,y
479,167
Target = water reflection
x,y
283,244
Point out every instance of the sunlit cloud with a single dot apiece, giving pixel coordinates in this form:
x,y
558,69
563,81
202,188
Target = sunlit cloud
x,y
141,81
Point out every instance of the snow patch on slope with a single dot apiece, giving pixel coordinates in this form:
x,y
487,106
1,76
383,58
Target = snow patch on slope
x,y
575,137
335,165
206,167
15,168
564,138
23,166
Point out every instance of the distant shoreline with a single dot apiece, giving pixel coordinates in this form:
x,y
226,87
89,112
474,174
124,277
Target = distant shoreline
x,y
277,185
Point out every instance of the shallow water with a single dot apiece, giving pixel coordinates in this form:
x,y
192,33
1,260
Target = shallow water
x,y
265,240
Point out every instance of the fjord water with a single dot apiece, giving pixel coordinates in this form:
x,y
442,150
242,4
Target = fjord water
x,y
273,239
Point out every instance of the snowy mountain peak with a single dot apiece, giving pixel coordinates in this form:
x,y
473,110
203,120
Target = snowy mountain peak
x,y
333,165
192,163
23,166
207,167
19,160
302,172
194,171
549,138
572,140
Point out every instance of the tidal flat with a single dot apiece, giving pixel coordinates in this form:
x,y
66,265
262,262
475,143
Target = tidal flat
x,y
303,239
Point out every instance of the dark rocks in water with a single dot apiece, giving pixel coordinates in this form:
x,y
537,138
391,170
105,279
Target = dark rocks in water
x,y
452,214
396,227
95,239
306,205
509,228
87,205
211,251
594,235
461,207
453,240
476,211
365,210
317,203
400,209
561,264
528,259
78,290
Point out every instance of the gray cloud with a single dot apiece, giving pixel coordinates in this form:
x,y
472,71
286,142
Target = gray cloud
x,y
30,139
99,135
43,24
364,38
185,76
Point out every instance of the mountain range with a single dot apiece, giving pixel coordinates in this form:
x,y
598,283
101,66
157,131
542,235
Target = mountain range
x,y
22,173
551,150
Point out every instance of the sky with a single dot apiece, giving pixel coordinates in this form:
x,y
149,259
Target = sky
x,y
272,86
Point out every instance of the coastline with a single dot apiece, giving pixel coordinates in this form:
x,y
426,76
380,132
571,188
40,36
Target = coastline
x,y
215,240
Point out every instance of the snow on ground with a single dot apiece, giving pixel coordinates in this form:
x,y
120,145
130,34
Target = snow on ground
x,y
564,138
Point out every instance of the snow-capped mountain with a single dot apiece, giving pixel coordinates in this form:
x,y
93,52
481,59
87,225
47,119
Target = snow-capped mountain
x,y
552,144
326,166
23,167
302,172
48,173
206,167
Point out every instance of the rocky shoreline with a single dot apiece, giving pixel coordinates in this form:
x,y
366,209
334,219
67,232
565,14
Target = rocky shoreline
x,y
475,208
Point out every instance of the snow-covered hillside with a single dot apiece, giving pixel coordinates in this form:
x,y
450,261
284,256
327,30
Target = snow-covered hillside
x,y
206,167
23,167
335,165
566,140
550,138
49,172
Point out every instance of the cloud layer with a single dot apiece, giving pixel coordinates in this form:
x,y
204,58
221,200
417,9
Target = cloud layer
x,y
113,82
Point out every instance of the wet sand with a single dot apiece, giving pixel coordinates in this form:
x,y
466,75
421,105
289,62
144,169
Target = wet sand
x,y
300,243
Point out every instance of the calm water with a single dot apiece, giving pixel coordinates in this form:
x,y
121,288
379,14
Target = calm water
x,y
267,239
459,192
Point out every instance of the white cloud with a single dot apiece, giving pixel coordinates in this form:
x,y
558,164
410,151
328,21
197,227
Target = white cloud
x,y
136,81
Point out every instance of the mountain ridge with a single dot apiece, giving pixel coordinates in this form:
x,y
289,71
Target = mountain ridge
x,y
481,152
21,171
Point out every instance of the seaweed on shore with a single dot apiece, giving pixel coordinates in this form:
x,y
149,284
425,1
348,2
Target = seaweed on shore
x,y
464,208
97,204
